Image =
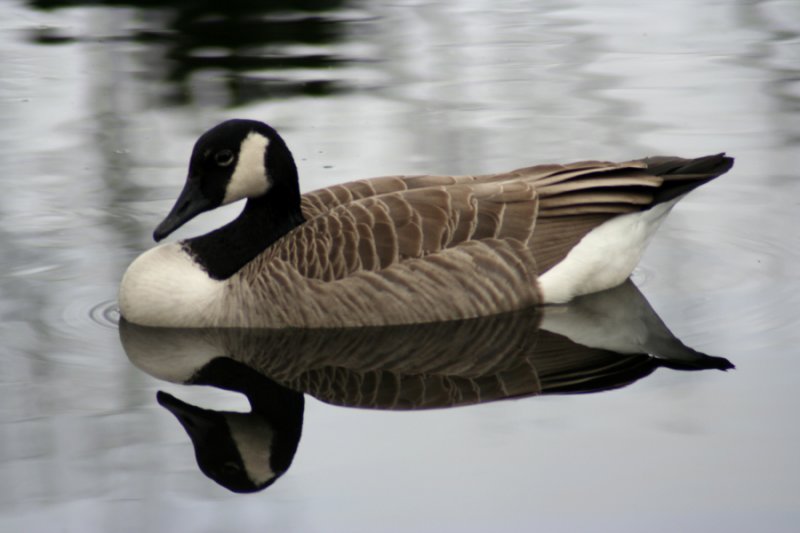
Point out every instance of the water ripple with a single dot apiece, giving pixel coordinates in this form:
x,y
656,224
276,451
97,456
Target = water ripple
x,y
105,314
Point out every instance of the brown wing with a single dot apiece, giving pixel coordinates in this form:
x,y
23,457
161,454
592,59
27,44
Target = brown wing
x,y
477,278
317,202
574,202
375,232
432,254
416,249
573,199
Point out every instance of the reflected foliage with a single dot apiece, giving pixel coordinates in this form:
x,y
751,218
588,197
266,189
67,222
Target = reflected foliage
x,y
598,342
260,50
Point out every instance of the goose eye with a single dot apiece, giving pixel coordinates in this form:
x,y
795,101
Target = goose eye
x,y
223,158
230,467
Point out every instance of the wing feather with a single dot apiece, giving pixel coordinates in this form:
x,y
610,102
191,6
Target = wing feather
x,y
441,247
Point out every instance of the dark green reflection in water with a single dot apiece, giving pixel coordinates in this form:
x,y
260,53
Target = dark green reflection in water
x,y
254,46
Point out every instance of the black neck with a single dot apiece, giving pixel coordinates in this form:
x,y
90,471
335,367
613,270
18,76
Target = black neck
x,y
264,220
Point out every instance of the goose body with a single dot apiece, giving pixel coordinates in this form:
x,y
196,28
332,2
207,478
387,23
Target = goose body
x,y
397,249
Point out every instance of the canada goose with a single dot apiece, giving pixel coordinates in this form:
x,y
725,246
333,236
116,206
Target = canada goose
x,y
397,249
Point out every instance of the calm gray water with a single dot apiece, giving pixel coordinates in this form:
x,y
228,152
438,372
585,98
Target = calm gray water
x,y
100,107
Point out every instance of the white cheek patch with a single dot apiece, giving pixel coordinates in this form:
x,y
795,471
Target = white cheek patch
x,y
249,178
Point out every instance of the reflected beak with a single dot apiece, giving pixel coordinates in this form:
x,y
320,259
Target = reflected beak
x,y
197,422
190,203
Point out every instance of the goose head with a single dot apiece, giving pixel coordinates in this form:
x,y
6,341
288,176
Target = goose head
x,y
234,160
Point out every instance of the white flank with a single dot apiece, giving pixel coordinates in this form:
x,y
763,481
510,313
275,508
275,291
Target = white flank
x,y
164,287
253,437
249,178
605,257
619,320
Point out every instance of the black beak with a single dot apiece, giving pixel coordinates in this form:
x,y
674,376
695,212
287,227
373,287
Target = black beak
x,y
190,203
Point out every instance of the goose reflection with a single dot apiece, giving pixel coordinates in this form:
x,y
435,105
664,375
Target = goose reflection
x,y
599,342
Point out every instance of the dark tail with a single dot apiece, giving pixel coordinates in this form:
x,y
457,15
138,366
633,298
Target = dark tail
x,y
682,175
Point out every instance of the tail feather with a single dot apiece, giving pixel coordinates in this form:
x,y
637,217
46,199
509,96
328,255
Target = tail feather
x,y
683,175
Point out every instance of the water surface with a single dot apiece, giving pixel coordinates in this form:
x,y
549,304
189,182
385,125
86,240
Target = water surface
x,y
101,106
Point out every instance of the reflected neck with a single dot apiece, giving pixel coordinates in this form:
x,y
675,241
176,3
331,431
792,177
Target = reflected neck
x,y
264,220
281,407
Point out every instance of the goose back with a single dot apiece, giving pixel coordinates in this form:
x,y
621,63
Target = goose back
x,y
407,249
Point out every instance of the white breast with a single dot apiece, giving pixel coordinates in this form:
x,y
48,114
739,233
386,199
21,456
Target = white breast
x,y
605,257
164,287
